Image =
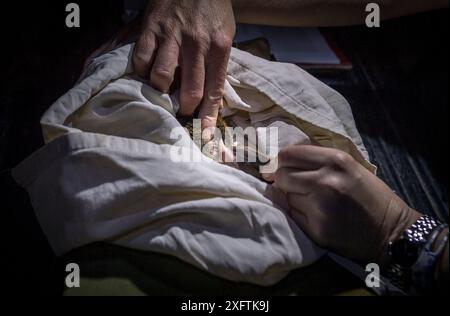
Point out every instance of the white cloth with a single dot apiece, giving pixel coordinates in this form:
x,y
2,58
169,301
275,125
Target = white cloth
x,y
104,173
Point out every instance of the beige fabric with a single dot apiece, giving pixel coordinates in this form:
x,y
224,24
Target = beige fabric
x,y
105,173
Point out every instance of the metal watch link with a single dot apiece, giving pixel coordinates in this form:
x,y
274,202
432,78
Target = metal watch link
x,y
404,252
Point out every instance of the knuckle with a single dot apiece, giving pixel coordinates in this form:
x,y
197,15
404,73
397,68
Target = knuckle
x,y
222,42
210,122
161,75
341,161
215,95
201,37
192,98
164,27
357,177
336,184
140,57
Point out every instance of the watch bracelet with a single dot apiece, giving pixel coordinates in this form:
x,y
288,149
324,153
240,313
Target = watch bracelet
x,y
418,234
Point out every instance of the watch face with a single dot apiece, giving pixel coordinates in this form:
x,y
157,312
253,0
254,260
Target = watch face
x,y
404,252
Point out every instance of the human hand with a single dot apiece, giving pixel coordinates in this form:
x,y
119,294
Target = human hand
x,y
195,34
340,204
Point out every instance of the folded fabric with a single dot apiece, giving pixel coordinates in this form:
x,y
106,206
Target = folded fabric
x,y
105,172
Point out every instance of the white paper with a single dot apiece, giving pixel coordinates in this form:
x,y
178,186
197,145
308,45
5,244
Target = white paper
x,y
291,44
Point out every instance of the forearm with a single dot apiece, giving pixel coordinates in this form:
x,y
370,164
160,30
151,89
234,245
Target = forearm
x,y
324,12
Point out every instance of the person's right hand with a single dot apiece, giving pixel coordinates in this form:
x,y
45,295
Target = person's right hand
x,y
340,204
195,34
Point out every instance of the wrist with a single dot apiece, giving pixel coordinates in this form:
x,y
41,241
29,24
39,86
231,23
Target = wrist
x,y
399,217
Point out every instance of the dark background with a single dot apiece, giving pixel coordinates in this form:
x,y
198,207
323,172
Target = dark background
x,y
398,90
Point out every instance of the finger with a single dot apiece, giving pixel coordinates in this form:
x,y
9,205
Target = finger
x,y
269,177
307,215
268,171
192,77
294,181
304,211
304,157
163,69
297,203
216,71
144,53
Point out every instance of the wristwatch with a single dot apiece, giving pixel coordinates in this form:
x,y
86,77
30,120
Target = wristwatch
x,y
404,252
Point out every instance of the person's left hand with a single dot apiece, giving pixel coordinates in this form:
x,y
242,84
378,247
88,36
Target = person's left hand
x,y
195,34
340,204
